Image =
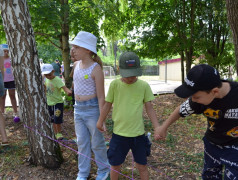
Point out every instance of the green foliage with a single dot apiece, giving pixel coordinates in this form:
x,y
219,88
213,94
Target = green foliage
x,y
215,38
47,19
110,60
153,29
48,53
148,62
107,60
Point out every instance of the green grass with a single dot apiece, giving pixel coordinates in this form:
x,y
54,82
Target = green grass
x,y
12,157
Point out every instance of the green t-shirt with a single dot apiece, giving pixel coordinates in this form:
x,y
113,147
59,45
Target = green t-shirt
x,y
53,91
128,101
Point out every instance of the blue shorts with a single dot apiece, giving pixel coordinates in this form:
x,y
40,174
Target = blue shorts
x,y
56,113
119,147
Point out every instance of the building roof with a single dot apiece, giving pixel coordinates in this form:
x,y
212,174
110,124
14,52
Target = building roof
x,y
170,61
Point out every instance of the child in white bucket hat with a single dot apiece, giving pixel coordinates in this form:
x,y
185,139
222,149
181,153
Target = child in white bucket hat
x,y
89,99
54,86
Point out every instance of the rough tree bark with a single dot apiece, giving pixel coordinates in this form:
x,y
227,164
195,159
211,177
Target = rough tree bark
x,y
65,40
26,70
232,15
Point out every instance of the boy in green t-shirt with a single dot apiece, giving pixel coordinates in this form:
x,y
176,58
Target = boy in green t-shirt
x,y
53,85
128,95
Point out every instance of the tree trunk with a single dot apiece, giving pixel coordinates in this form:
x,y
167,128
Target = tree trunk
x,y
65,41
29,86
182,66
232,15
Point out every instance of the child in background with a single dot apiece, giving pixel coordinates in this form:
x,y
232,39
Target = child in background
x,y
9,83
2,92
89,100
216,99
57,68
55,101
128,95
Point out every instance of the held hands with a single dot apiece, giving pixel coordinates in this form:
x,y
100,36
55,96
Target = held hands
x,y
160,133
101,126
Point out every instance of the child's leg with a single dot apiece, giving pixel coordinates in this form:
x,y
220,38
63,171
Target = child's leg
x,y
229,158
83,142
97,140
119,147
140,150
58,117
57,128
2,102
143,170
12,96
212,165
114,174
2,128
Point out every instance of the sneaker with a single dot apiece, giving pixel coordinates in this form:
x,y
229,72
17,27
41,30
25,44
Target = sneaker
x,y
59,136
102,176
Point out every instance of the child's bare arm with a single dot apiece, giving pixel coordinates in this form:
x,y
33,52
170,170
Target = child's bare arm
x,y
152,115
162,130
67,91
103,114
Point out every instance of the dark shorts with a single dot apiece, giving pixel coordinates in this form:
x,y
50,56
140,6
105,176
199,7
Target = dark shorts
x,y
56,113
2,90
10,85
220,161
119,147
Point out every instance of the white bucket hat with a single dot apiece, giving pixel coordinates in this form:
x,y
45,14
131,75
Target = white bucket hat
x,y
86,40
46,68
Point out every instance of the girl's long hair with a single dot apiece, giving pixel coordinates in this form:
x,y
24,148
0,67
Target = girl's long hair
x,y
97,59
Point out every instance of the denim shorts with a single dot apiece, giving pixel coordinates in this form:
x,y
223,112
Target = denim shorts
x,y
56,113
119,147
2,90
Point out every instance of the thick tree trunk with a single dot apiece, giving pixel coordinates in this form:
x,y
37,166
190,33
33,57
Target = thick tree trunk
x,y
232,15
65,40
26,70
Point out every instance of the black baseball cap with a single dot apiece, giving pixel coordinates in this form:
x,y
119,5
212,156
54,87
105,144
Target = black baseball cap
x,y
129,64
201,77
